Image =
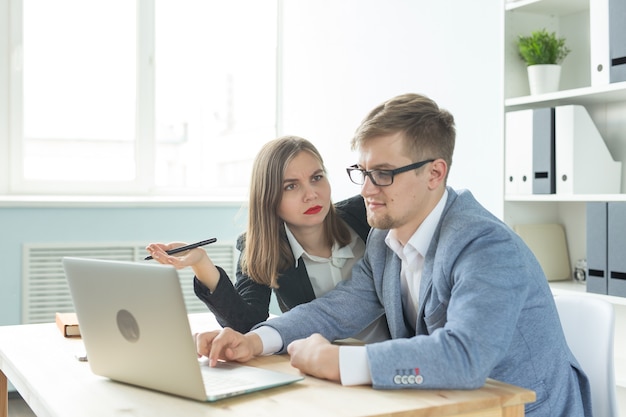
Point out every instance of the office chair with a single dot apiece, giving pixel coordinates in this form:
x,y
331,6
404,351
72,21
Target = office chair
x,y
588,324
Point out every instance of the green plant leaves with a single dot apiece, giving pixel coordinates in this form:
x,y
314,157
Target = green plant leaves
x,y
542,47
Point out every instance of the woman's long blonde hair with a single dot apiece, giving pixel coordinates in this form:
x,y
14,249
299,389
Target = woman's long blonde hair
x,y
267,251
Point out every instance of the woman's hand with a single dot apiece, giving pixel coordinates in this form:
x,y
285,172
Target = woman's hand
x,y
158,251
197,258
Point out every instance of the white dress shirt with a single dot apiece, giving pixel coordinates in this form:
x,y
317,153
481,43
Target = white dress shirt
x,y
326,273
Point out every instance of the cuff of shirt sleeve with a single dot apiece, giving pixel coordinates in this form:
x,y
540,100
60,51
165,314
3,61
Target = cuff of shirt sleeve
x,y
354,366
271,339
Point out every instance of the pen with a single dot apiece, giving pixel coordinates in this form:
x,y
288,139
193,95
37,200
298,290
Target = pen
x,y
186,247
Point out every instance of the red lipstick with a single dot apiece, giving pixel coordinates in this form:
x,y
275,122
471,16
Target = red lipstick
x,y
313,210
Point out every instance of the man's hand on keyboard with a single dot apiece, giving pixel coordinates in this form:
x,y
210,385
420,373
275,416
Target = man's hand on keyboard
x,y
228,345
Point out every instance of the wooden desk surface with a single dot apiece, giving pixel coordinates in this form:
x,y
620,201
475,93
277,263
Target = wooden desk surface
x,y
41,365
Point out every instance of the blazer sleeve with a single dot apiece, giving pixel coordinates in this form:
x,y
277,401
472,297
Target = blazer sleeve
x,y
239,306
342,312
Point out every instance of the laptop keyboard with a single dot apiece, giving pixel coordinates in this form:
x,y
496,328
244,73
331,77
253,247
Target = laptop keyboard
x,y
223,381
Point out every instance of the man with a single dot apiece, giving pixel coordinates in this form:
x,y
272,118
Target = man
x,y
464,297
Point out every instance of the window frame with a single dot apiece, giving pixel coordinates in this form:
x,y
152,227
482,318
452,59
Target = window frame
x,y
12,181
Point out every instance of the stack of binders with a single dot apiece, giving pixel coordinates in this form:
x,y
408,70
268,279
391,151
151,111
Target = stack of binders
x,y
557,150
606,243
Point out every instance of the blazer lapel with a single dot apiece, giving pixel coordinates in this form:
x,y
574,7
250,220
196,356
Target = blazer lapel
x,y
294,287
392,297
426,284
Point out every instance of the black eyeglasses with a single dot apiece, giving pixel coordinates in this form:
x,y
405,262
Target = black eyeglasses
x,y
380,177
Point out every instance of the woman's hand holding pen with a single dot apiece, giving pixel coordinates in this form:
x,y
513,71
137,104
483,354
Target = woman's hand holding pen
x,y
158,251
196,258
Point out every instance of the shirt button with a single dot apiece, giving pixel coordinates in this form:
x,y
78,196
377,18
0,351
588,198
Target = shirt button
x,y
397,379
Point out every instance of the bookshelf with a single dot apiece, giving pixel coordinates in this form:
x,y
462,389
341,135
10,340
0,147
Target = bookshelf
x,y
607,106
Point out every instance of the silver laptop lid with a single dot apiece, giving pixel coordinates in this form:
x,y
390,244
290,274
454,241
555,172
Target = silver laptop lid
x,y
135,328
134,324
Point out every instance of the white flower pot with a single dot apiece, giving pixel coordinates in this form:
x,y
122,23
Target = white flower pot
x,y
543,78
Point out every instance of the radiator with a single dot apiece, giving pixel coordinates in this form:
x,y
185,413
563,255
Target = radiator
x,y
45,290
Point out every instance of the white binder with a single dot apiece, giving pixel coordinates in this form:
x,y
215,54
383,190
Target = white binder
x,y
599,42
584,164
607,37
518,152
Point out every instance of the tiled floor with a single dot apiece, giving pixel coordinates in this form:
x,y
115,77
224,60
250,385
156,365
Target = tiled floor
x,y
18,408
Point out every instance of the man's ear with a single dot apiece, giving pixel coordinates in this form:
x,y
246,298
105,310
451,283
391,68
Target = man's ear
x,y
438,172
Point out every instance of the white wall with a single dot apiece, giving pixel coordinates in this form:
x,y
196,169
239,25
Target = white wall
x,y
4,98
342,58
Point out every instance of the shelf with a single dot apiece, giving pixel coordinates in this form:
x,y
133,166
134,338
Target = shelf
x,y
565,198
556,7
586,95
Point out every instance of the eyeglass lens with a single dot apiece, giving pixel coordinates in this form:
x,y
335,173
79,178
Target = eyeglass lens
x,y
377,177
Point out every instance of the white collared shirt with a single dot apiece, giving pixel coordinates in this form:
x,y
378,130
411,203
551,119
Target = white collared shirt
x,y
326,273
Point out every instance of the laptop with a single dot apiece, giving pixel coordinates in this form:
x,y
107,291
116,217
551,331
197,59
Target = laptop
x,y
135,328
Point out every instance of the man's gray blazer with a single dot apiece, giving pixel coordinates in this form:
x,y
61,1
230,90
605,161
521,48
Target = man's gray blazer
x,y
485,311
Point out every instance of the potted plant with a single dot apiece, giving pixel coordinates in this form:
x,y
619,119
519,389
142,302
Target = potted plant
x,y
543,53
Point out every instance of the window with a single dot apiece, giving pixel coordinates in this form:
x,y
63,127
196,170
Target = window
x,y
152,97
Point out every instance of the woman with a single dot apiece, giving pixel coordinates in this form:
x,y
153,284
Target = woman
x,y
297,244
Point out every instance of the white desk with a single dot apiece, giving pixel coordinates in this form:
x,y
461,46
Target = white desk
x,y
40,363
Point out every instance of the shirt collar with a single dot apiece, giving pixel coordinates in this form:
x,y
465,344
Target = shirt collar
x,y
420,240
337,252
